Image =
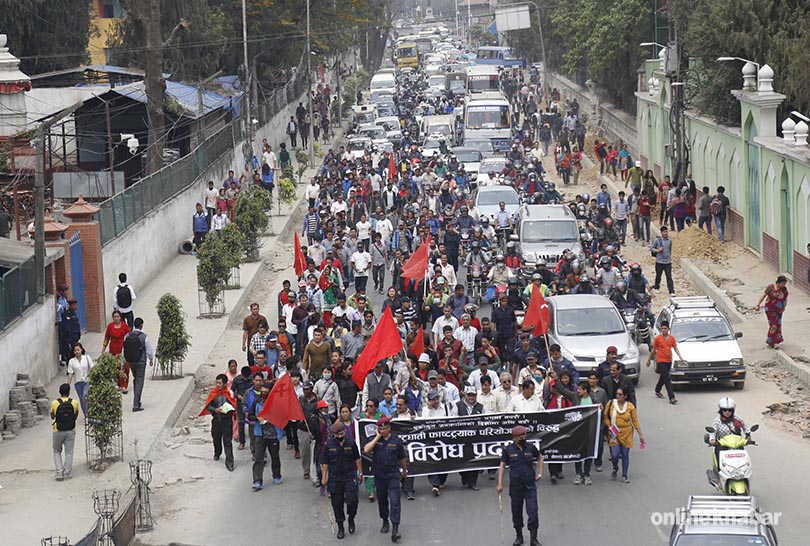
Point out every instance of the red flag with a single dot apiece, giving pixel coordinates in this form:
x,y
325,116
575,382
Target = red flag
x,y
300,261
392,167
418,345
417,264
537,315
323,282
282,405
213,394
384,342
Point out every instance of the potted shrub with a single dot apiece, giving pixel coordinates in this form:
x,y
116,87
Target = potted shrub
x,y
235,247
213,268
250,218
173,341
286,193
105,441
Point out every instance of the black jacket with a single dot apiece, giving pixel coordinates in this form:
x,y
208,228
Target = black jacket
x,y
612,386
477,408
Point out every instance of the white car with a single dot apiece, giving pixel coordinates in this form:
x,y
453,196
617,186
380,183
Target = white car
x,y
357,146
469,157
706,341
494,164
487,200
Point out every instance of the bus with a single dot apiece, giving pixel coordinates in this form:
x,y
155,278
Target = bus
x,y
499,56
406,55
423,43
488,117
482,78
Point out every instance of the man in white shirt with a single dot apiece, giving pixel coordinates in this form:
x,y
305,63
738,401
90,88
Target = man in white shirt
x,y
526,401
385,228
505,393
621,208
313,191
123,299
435,408
475,376
445,320
486,396
211,195
361,262
466,335
448,272
453,396
339,205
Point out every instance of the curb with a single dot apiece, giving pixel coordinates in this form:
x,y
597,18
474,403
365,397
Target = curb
x,y
174,414
720,297
800,370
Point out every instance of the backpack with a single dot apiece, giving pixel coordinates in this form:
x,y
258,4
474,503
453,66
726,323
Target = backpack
x,y
65,415
284,156
716,206
124,296
134,348
660,243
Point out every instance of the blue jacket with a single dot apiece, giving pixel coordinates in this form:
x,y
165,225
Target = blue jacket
x,y
200,222
564,365
267,430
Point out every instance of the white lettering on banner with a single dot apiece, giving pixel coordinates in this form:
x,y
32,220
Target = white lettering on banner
x,y
457,433
574,416
488,449
418,451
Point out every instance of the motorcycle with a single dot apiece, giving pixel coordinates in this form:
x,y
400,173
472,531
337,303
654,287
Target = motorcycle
x,y
477,275
641,331
731,475
466,241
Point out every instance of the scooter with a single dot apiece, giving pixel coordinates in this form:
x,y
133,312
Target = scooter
x,y
731,475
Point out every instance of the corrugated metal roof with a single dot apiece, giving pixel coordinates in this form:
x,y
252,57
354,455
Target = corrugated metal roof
x,y
185,95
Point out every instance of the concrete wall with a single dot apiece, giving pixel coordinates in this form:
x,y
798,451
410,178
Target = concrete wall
x,y
29,345
146,247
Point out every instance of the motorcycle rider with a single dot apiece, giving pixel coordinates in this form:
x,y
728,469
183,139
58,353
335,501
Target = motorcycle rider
x,y
514,295
500,274
548,276
487,230
477,256
513,260
726,422
464,220
584,286
624,297
514,154
637,281
608,275
478,236
550,193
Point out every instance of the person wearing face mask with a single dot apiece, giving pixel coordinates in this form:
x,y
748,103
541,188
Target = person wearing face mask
x,y
266,435
341,473
327,390
321,434
520,458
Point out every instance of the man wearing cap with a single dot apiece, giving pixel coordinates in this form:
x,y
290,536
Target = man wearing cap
x,y
470,406
341,473
388,457
520,457
611,357
483,370
503,317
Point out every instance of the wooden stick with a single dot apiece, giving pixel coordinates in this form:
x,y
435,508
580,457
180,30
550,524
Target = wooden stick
x,y
331,515
500,509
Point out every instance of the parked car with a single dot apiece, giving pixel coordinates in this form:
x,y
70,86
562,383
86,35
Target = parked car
x,y
706,341
584,326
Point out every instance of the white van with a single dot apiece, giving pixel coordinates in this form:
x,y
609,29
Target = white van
x,y
383,81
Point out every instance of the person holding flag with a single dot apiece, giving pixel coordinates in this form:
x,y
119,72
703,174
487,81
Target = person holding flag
x,y
341,473
299,259
222,406
267,439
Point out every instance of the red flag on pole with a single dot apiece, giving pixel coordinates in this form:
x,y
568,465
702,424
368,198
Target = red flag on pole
x,y
418,345
282,405
537,316
300,261
417,264
384,342
392,167
323,282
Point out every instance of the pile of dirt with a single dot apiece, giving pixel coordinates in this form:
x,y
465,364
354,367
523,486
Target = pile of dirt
x,y
794,415
694,243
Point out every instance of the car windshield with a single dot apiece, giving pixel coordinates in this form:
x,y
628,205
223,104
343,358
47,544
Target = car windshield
x,y
482,145
383,83
468,157
721,540
406,52
373,132
357,145
701,329
489,198
389,125
489,117
548,230
496,165
588,322
431,143
436,81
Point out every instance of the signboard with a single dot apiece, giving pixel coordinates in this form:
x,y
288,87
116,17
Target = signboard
x,y
452,444
512,17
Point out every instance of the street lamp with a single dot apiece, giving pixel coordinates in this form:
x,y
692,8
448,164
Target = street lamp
x,y
724,59
650,44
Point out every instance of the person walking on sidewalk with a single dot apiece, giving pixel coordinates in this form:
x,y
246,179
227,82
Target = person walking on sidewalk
x,y
520,457
123,298
114,336
64,411
718,207
267,440
704,210
663,345
388,458
221,405
775,297
341,473
138,351
78,370
661,248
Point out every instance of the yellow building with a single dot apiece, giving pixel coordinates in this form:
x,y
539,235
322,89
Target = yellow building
x,y
105,13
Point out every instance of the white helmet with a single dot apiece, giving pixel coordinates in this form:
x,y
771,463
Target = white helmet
x,y
726,403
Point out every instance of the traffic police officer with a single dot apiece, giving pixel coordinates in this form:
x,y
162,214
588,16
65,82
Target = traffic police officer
x,y
387,460
520,458
341,472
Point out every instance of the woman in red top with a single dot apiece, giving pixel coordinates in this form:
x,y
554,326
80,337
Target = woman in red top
x,y
114,339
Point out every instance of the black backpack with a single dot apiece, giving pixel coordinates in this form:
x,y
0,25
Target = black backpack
x,y
65,415
134,348
124,296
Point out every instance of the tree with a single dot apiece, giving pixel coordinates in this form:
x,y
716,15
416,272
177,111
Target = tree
x,y
104,407
250,218
47,35
145,17
213,269
173,341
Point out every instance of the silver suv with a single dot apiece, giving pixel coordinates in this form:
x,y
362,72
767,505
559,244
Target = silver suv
x,y
722,521
545,232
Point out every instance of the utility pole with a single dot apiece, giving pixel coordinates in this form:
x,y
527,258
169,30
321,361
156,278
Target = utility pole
x,y
248,120
309,91
110,145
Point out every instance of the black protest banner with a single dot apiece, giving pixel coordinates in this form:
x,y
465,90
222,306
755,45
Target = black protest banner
x,y
452,444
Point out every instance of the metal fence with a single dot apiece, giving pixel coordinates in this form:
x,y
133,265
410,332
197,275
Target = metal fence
x,y
120,212
18,292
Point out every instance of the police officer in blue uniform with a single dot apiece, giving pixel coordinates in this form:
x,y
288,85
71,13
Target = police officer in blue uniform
x,y
520,458
341,473
388,457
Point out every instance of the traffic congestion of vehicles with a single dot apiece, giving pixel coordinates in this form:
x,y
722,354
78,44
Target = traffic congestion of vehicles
x,y
467,167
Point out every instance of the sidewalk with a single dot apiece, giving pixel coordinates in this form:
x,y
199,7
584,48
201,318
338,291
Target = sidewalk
x,y
26,463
